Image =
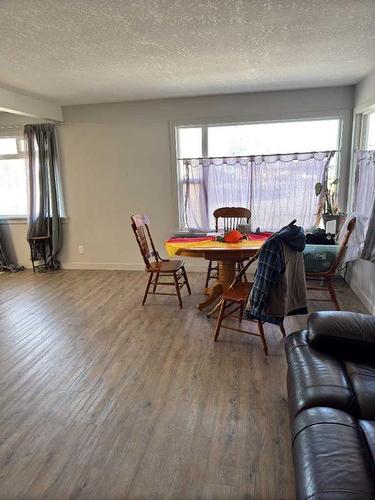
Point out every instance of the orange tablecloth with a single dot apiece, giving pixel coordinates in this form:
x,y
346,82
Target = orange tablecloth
x,y
173,245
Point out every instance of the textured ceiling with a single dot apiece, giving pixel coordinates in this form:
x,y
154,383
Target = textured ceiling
x,y
86,51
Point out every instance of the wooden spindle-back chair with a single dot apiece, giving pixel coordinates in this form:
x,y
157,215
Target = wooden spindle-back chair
x,y
233,302
227,218
326,277
155,265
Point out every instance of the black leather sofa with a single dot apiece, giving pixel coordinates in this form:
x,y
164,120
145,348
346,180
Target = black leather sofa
x,y
331,392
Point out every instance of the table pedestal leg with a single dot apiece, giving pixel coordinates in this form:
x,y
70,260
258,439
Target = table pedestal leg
x,y
227,273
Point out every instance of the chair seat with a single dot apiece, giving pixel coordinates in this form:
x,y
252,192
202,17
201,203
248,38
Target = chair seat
x,y
238,293
168,266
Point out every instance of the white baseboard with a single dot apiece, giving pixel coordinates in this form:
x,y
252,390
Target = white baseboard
x,y
119,266
366,301
103,266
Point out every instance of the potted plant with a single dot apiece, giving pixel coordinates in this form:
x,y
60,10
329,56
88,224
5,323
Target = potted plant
x,y
328,209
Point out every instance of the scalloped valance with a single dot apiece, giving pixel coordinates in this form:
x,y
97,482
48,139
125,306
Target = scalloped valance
x,y
257,159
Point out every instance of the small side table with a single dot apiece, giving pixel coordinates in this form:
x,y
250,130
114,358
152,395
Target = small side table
x,y
34,242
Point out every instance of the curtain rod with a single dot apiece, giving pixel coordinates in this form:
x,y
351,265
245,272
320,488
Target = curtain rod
x,y
249,156
22,126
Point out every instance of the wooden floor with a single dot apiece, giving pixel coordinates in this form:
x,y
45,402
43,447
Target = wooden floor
x,y
101,398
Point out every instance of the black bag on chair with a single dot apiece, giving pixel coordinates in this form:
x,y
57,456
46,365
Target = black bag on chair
x,y
319,236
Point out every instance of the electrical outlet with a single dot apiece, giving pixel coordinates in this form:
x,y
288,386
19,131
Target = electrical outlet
x,y
81,250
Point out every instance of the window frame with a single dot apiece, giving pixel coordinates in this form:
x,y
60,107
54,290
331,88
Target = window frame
x,y
10,132
365,128
177,183
359,141
20,155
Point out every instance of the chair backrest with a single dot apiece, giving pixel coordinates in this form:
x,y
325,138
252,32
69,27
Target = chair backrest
x,y
139,223
343,246
231,217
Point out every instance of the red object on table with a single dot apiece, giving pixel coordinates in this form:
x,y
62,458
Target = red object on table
x,y
233,237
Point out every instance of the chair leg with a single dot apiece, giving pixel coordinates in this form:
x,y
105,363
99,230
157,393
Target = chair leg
x,y
178,289
50,248
208,276
32,253
282,329
45,256
186,280
332,293
241,312
147,289
220,319
156,282
264,342
239,269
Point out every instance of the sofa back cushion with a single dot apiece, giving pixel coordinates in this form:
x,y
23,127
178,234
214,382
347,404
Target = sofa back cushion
x,y
343,334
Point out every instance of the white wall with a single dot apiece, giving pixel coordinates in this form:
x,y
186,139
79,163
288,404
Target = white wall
x,y
362,279
365,92
14,102
117,160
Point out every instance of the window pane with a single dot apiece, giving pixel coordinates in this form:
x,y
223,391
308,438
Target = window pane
x,y
12,187
371,131
8,146
21,145
189,142
270,138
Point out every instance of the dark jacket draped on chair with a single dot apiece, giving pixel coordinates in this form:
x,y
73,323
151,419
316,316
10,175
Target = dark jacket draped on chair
x,y
279,287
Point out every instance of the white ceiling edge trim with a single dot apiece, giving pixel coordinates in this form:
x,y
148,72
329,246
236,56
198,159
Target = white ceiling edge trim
x,y
20,104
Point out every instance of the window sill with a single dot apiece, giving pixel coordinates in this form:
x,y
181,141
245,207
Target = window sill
x,y
11,220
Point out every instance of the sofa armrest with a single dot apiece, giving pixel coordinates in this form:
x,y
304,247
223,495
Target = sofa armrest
x,y
342,333
331,457
316,378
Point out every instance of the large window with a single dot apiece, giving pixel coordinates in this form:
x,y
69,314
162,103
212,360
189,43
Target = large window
x,y
13,197
242,139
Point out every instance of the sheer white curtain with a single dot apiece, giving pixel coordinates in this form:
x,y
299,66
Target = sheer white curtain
x,y
364,182
284,189
364,198
277,188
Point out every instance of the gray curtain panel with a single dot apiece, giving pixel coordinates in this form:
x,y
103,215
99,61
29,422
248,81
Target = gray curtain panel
x,y
42,162
5,264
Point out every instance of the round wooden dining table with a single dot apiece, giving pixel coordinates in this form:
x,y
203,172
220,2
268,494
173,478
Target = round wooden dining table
x,y
226,254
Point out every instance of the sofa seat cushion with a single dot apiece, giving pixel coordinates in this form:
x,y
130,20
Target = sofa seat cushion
x,y
331,457
362,380
315,378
